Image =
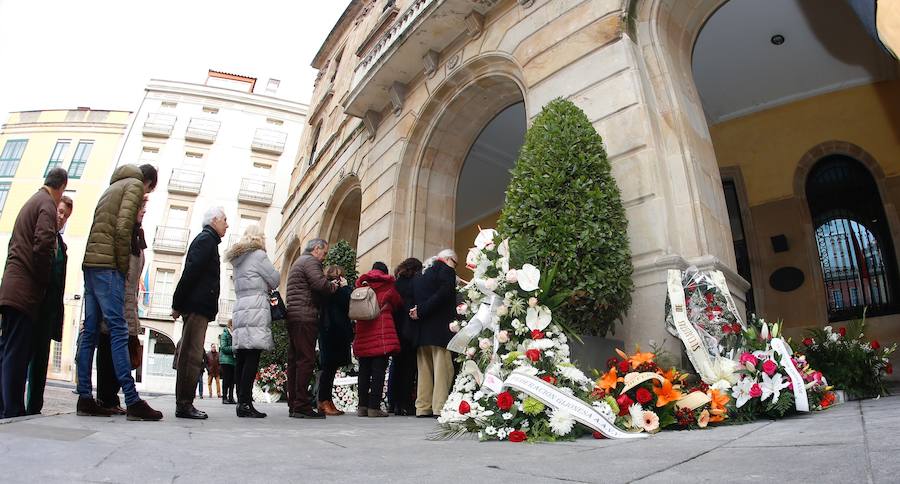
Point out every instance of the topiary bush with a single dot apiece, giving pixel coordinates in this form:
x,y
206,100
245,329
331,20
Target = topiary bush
x,y
563,209
278,354
342,254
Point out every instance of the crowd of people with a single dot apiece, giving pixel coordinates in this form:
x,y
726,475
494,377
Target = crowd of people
x,y
407,337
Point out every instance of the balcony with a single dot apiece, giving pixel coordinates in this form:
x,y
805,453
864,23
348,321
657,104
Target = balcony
x,y
187,182
171,240
408,46
202,130
155,305
268,141
159,125
256,192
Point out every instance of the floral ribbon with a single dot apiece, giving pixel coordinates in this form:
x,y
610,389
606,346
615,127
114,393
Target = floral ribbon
x,y
693,344
552,397
482,319
801,402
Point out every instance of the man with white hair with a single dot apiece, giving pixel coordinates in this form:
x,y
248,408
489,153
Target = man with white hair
x,y
435,298
196,300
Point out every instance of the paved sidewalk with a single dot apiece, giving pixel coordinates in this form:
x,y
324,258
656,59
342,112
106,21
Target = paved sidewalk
x,y
853,442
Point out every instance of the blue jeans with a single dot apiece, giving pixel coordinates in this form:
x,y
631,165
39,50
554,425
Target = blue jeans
x,y
104,298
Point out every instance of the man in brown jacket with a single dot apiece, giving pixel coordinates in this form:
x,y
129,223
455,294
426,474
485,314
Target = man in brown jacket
x,y
305,285
32,248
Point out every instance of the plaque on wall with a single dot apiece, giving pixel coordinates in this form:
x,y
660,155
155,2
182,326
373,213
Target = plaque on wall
x,y
786,279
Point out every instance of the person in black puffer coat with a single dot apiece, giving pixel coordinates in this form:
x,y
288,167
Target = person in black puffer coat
x,y
402,378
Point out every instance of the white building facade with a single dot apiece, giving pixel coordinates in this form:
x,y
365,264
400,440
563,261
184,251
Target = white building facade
x,y
214,144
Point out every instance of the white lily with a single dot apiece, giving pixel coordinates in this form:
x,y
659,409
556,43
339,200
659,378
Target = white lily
x,y
721,374
538,318
485,237
772,386
741,391
529,277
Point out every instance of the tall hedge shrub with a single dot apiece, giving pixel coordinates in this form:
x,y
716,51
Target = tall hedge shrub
x,y
342,254
563,209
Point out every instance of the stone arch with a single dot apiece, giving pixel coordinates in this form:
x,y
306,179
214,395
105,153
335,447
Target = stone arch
x,y
447,126
801,174
342,212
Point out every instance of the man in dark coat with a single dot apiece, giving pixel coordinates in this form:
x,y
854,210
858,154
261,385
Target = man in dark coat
x,y
49,325
32,248
107,258
196,300
435,296
306,285
212,370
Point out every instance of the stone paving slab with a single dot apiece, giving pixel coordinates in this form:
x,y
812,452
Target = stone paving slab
x,y
853,442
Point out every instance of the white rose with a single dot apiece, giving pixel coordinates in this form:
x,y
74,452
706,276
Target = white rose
x,y
529,277
454,326
503,336
502,310
491,284
512,277
485,343
532,302
462,308
470,352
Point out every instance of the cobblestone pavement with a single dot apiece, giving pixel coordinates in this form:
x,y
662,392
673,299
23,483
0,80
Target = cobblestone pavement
x,y
853,442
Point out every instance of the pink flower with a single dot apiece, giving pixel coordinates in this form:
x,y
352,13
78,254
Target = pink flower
x,y
770,367
755,391
748,357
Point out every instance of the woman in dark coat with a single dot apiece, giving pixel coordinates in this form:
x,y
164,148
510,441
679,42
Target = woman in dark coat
x,y
335,336
435,296
375,340
402,378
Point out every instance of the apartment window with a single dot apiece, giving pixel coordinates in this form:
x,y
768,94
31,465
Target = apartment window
x,y
273,121
210,110
10,156
177,217
337,65
163,288
56,158
168,104
57,357
4,193
272,86
82,152
315,145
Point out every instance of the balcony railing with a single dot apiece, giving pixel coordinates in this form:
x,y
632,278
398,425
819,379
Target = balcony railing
x,y
257,192
399,54
185,181
159,125
202,130
226,307
155,305
269,141
171,240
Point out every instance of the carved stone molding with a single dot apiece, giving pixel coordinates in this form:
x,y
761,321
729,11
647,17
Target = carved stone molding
x,y
474,24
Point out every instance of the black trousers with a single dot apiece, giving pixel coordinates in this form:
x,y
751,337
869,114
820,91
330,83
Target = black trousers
x,y
371,381
402,380
107,383
227,380
16,346
247,363
326,382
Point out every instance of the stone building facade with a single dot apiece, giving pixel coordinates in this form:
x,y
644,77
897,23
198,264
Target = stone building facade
x,y
406,87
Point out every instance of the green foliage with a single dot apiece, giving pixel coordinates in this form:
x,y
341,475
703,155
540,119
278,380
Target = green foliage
x,y
563,210
278,354
342,254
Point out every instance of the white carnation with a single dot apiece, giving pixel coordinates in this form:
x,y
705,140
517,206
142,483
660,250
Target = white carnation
x,y
561,423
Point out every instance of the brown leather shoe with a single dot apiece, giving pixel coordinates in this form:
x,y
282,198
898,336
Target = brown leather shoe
x,y
331,410
88,407
117,410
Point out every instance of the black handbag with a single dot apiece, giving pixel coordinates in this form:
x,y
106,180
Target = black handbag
x,y
276,306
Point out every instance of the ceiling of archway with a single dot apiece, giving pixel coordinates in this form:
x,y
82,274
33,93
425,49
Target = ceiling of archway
x,y
485,174
738,70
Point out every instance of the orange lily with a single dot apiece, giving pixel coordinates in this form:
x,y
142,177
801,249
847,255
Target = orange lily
x,y
718,400
609,380
639,358
665,393
669,374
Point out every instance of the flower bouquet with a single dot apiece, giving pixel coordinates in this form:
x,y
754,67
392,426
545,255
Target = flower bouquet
x,y
644,397
764,387
710,311
270,380
852,362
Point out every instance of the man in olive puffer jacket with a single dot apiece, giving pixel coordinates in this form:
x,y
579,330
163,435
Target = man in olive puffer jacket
x,y
106,263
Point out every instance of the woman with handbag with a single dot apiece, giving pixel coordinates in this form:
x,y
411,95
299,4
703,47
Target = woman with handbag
x,y
375,340
254,279
335,337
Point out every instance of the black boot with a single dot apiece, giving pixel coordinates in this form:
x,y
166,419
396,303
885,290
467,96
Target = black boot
x,y
246,410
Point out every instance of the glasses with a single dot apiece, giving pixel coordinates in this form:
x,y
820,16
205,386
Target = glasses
x,y
453,261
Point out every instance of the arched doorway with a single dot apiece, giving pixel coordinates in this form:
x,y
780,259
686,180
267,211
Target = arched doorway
x,y
343,211
447,129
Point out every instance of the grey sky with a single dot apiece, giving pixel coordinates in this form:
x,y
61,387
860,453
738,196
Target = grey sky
x,y
101,53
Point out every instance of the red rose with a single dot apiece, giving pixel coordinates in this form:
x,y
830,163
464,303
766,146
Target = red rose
x,y
710,297
889,369
598,435
598,393
536,334
842,331
624,401
717,308
533,354
504,401
643,396
755,391
517,436
726,328
736,327
464,407
549,379
807,341
623,366
875,344
770,367
612,362
711,316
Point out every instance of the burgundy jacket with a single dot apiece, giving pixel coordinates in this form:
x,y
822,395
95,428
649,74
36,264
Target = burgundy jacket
x,y
378,337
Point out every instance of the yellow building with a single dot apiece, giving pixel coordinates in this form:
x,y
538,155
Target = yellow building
x,y
84,141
